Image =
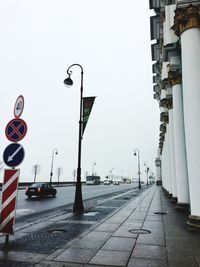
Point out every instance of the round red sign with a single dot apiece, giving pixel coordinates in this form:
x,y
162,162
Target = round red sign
x,y
16,129
19,106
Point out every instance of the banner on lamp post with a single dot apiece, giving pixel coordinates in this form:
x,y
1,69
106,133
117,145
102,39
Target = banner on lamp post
x,y
87,107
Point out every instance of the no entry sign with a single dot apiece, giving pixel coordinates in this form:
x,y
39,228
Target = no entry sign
x,y
8,201
16,130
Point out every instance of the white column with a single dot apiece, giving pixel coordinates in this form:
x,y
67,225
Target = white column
x,y
158,168
172,154
190,43
168,160
180,148
163,157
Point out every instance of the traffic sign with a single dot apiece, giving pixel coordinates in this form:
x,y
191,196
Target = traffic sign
x,y
19,106
16,130
8,201
13,155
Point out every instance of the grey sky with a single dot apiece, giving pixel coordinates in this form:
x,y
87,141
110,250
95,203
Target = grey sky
x,y
111,40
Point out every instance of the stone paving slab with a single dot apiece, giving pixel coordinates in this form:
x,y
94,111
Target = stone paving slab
x,y
139,262
106,257
111,242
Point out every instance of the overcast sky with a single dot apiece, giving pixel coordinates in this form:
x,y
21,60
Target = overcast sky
x,y
39,40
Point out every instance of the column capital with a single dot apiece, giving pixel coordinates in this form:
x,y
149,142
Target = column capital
x,y
163,128
186,18
170,103
158,162
164,117
174,77
166,102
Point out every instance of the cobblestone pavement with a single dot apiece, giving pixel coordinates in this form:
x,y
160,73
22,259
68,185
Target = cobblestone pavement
x,y
133,230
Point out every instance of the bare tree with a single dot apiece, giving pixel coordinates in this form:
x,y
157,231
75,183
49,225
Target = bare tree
x,y
36,170
59,172
74,174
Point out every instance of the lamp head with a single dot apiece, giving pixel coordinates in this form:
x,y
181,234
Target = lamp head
x,y
68,81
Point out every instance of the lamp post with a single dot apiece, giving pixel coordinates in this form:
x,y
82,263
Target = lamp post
x,y
147,171
137,152
93,164
54,152
78,202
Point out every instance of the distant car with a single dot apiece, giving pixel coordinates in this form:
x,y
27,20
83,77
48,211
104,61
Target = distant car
x,y
106,182
128,181
116,182
40,190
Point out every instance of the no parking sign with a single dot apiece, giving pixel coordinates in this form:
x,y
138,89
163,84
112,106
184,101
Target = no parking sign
x,y
16,130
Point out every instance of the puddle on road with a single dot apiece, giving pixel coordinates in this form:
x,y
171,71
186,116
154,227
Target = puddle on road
x,y
24,211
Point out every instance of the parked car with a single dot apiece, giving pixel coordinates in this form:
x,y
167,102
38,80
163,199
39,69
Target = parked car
x,y
40,190
106,182
116,182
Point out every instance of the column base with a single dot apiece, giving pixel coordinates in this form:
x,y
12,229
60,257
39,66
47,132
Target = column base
x,y
183,207
164,190
193,223
169,195
174,199
159,183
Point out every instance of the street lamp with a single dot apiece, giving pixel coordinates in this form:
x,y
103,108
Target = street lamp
x,y
78,202
93,164
147,171
137,153
54,152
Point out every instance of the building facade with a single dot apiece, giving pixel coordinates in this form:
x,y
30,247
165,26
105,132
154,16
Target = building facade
x,y
175,35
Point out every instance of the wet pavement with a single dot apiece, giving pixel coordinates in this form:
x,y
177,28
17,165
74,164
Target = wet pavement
x,y
130,230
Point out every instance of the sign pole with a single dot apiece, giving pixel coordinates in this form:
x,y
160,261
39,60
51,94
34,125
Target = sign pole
x,y
13,156
7,239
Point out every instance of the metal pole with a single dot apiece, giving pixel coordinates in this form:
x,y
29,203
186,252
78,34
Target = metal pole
x,y
138,154
93,164
147,175
51,173
7,239
78,202
139,169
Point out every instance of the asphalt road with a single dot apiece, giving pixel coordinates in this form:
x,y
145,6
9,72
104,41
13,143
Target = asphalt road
x,y
65,196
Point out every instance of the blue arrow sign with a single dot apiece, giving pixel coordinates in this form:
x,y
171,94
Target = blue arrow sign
x,y
13,155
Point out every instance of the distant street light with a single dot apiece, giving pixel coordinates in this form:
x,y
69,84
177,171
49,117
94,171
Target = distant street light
x,y
54,152
137,153
147,171
93,164
78,203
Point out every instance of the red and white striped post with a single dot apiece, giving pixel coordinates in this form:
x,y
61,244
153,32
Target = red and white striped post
x,y
8,201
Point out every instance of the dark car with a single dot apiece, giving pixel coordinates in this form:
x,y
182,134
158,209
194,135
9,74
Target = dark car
x,y
40,190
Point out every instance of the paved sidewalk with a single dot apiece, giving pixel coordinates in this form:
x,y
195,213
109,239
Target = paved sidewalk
x,y
133,236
